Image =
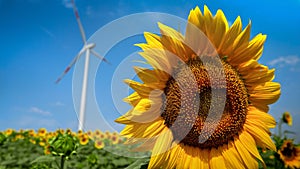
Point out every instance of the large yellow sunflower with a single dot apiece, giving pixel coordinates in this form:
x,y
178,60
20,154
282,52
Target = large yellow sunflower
x,y
290,154
204,103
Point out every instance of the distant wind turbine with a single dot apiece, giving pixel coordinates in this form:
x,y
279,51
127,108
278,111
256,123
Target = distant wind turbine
x,y
87,49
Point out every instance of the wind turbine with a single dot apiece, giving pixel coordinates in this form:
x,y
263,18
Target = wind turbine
x,y
87,49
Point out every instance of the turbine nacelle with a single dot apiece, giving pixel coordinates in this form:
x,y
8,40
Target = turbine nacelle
x,y
89,46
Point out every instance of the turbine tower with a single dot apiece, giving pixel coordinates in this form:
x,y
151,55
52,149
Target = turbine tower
x,y
87,49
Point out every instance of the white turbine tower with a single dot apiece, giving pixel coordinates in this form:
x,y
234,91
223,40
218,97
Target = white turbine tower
x,y
87,48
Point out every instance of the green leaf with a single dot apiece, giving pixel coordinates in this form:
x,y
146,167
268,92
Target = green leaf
x,y
288,132
43,159
138,163
9,162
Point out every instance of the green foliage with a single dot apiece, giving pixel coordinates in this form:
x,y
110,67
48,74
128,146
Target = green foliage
x,y
63,145
2,138
44,159
18,154
21,150
139,164
90,157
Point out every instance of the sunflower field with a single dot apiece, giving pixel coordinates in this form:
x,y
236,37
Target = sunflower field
x,y
62,149
30,149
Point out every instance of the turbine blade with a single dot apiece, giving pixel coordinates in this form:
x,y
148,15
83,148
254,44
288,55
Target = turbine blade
x,y
69,66
78,21
100,57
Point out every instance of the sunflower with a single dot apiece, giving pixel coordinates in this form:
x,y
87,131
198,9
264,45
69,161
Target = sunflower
x,y
83,139
68,131
99,134
287,118
290,154
79,132
107,134
31,133
42,132
99,144
33,141
204,102
8,132
90,134
47,150
114,139
42,143
60,131
19,136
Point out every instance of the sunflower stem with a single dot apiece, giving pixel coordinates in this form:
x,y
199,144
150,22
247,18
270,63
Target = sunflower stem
x,y
279,128
62,162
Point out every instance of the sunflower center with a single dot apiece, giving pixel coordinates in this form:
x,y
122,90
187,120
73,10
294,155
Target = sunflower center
x,y
190,98
289,151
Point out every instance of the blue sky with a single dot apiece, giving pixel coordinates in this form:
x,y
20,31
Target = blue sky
x,y
40,37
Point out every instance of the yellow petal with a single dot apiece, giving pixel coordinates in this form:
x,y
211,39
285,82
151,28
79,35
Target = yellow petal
x,y
127,130
261,107
252,51
256,80
181,156
249,69
170,32
174,43
193,17
149,130
147,110
196,163
142,89
221,27
132,141
258,123
133,99
161,150
216,159
181,159
268,87
196,18
175,154
248,159
145,144
257,114
144,130
208,20
232,157
151,76
226,47
153,40
247,141
266,94
242,40
254,47
188,157
197,41
204,158
124,120
255,74
143,106
157,58
261,137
